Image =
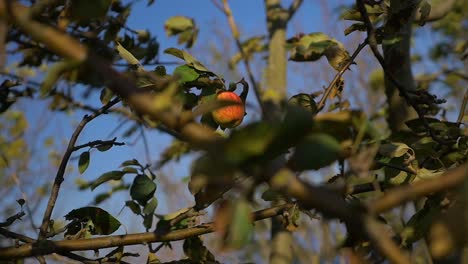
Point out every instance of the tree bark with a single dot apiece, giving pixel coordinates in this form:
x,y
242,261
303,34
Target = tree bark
x,y
397,55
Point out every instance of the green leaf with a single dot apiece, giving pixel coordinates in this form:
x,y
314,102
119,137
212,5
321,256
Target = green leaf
x,y
89,9
150,206
313,46
134,207
129,170
132,162
395,150
189,59
148,221
186,73
54,74
425,10
355,27
142,189
104,147
418,225
240,228
128,56
196,251
316,151
111,175
104,223
106,95
178,24
83,161
250,141
305,101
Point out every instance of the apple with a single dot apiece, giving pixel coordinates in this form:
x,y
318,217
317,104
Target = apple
x,y
232,115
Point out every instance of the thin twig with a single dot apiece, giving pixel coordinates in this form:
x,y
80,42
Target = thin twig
x,y
98,143
236,35
10,220
396,167
293,8
332,84
63,164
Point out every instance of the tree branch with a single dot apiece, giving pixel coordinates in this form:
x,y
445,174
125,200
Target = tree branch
x,y
63,165
98,143
293,8
400,195
46,247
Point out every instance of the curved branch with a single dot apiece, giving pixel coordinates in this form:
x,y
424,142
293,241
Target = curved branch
x,y
46,247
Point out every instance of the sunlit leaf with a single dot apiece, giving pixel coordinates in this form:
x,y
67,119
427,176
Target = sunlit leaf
x,y
186,73
111,175
83,161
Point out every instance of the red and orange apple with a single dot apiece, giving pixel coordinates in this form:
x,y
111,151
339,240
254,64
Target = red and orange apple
x,y
232,115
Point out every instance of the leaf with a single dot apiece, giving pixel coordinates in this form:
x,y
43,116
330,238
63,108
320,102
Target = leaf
x,y
148,221
152,259
89,9
177,24
184,27
418,225
150,206
186,73
134,207
104,147
316,151
240,228
128,56
106,95
130,170
305,101
142,189
132,162
104,223
313,46
111,175
394,149
196,251
355,27
189,59
54,74
250,141
83,161
425,10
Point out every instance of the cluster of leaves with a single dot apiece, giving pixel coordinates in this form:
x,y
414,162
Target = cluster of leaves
x,y
142,189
